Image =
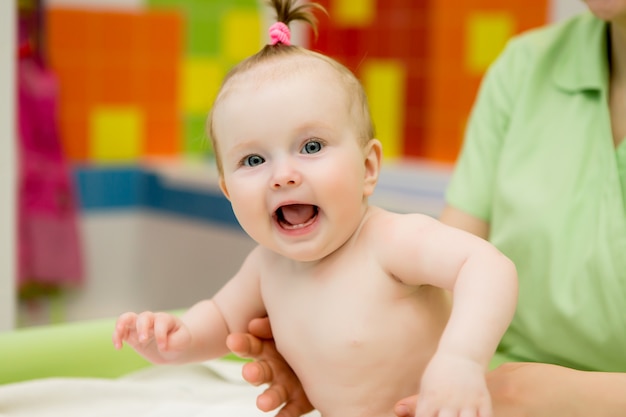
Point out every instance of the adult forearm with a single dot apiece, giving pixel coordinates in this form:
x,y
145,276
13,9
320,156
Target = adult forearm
x,y
542,390
600,394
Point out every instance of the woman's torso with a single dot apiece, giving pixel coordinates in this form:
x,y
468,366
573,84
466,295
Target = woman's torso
x,y
556,199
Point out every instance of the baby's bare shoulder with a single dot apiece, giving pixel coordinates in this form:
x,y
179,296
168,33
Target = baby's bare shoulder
x,y
383,222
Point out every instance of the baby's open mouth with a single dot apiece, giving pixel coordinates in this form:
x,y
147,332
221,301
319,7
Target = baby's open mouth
x,y
295,216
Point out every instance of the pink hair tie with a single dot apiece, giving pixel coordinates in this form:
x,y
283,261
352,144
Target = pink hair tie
x,y
280,33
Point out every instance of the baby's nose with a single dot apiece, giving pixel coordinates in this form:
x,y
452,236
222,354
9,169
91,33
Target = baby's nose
x,y
285,176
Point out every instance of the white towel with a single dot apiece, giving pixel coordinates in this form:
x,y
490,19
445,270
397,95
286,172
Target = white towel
x,y
212,389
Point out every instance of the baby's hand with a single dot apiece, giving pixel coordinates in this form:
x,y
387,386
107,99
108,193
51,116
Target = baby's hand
x,y
159,337
453,386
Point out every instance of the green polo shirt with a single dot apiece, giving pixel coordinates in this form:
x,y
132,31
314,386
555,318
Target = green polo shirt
x,y
539,164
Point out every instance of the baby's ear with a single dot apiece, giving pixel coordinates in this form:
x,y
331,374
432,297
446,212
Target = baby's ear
x,y
222,184
373,158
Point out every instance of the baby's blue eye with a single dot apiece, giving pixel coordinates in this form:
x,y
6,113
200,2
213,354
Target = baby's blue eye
x,y
253,160
312,146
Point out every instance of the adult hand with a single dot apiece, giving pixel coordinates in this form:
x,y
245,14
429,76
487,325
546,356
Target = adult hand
x,y
270,368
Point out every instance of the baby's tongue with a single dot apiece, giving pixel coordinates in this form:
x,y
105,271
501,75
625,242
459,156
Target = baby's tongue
x,y
298,213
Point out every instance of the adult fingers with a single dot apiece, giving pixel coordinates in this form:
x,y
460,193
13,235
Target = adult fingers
x,y
406,407
271,398
244,345
260,327
257,373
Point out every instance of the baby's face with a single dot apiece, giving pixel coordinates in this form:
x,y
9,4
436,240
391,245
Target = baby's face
x,y
293,166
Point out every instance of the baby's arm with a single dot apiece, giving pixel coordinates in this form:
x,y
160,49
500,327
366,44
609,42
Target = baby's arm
x,y
200,333
484,289
164,338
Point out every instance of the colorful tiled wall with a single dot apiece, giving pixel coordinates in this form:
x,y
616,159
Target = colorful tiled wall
x,y
119,90
421,62
137,84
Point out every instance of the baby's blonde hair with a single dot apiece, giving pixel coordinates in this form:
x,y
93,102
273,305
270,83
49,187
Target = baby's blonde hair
x,y
288,11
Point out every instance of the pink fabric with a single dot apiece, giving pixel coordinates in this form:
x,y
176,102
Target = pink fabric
x,y
49,245
280,33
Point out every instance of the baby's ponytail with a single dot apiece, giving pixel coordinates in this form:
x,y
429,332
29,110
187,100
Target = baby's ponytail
x,y
288,11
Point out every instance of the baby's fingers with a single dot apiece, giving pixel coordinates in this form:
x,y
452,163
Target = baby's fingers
x,y
474,410
164,324
124,329
145,327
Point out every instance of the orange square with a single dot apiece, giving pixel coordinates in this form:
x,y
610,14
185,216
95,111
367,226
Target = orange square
x,y
162,131
66,29
121,32
160,38
73,85
115,85
164,85
73,131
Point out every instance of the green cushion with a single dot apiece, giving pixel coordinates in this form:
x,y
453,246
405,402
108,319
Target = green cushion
x,y
78,349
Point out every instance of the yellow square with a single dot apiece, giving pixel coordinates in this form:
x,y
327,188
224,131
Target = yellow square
x,y
241,34
116,134
201,80
385,84
353,13
486,36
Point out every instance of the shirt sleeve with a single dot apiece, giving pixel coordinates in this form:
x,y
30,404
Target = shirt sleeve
x,y
473,180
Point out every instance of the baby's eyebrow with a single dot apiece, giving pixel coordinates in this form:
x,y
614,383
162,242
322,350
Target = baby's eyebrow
x,y
243,145
317,129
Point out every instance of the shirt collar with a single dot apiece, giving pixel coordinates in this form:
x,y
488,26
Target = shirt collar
x,y
584,62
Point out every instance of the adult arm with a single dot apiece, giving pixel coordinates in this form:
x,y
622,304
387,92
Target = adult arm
x,y
461,220
543,390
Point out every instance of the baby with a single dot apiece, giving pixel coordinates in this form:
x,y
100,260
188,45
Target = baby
x,y
348,287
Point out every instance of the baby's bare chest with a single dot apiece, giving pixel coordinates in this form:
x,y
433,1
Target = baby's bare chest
x,y
339,326
356,313
335,301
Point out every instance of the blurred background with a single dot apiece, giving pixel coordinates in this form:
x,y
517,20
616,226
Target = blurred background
x,y
107,183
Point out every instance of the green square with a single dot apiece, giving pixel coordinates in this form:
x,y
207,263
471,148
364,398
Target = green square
x,y
203,21
195,136
203,34
179,4
245,3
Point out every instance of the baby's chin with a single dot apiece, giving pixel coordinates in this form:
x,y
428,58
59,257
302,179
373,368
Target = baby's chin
x,y
302,254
